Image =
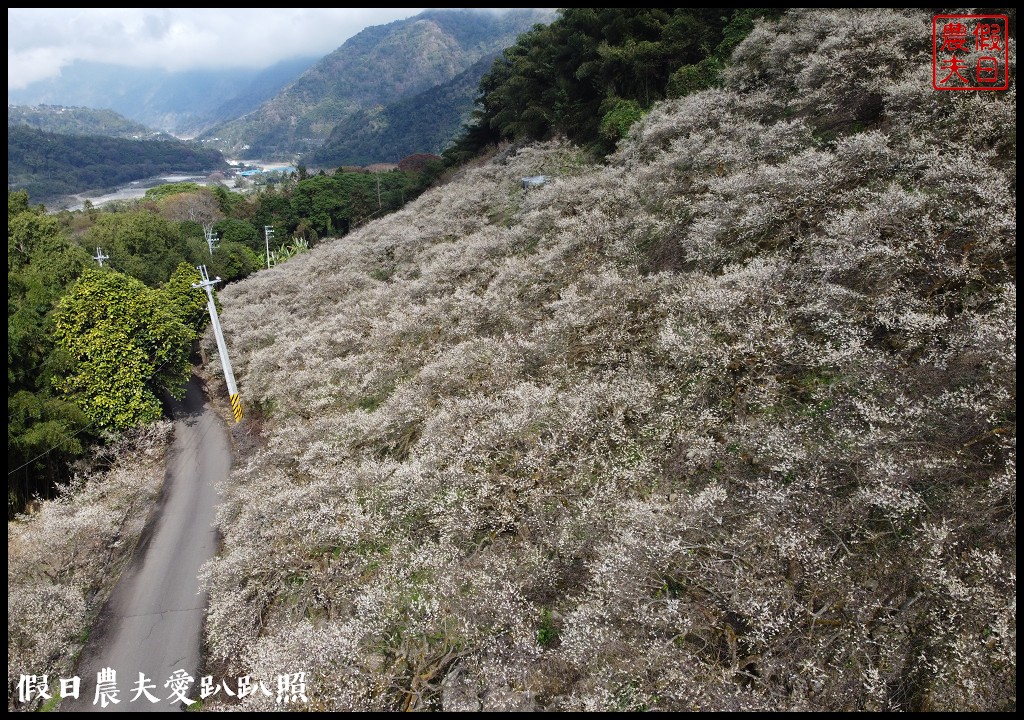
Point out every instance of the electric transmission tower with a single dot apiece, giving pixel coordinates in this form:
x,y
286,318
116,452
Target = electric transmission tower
x,y
212,240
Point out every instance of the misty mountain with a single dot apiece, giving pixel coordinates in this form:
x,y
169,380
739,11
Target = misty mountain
x,y
177,102
425,122
377,66
263,86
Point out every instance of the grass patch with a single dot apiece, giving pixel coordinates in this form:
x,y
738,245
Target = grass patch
x,y
547,633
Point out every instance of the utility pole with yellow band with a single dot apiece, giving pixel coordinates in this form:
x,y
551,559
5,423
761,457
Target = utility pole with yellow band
x,y
229,377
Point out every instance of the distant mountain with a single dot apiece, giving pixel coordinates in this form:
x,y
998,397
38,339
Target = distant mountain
x,y
423,123
263,86
177,102
80,121
50,165
377,67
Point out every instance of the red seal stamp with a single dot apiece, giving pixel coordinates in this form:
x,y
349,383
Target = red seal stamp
x,y
970,52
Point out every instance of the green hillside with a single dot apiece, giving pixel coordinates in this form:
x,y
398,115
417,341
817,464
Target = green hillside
x,y
79,121
427,122
49,165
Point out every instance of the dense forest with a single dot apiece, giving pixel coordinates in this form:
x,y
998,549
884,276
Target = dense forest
x,y
48,165
591,73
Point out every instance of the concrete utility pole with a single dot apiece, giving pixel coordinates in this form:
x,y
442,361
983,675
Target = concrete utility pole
x,y
100,257
267,232
229,377
211,239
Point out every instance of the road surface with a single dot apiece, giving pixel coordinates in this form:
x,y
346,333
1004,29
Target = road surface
x,y
152,622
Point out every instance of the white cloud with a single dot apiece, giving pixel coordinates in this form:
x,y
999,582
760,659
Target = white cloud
x,y
42,41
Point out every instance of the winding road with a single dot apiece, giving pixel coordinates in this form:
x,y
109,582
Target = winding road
x,y
152,622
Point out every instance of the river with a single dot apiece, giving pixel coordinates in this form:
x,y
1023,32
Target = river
x,y
137,188
132,191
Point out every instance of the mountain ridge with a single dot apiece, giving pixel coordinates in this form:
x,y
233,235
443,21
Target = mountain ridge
x,y
427,122
286,111
70,120
379,65
175,102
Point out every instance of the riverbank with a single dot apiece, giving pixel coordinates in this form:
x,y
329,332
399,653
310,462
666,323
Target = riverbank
x,y
132,191
137,188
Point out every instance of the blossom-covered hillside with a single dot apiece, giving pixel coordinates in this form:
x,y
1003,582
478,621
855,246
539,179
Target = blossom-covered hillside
x,y
728,422
64,559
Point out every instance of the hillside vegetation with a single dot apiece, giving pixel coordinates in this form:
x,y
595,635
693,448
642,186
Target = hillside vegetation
x,y
424,123
727,422
49,165
590,73
63,561
58,379
78,121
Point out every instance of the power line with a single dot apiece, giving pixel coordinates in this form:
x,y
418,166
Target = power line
x,y
47,452
81,429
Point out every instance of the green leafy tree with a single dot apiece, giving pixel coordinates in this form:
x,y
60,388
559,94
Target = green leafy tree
x,y
691,78
270,207
239,231
128,347
186,302
588,74
619,116
232,261
226,200
323,202
168,189
44,432
140,243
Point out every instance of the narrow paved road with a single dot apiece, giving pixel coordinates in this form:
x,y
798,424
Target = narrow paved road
x,y
152,622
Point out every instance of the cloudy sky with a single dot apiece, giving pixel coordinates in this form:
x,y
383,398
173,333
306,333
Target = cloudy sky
x,y
41,42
